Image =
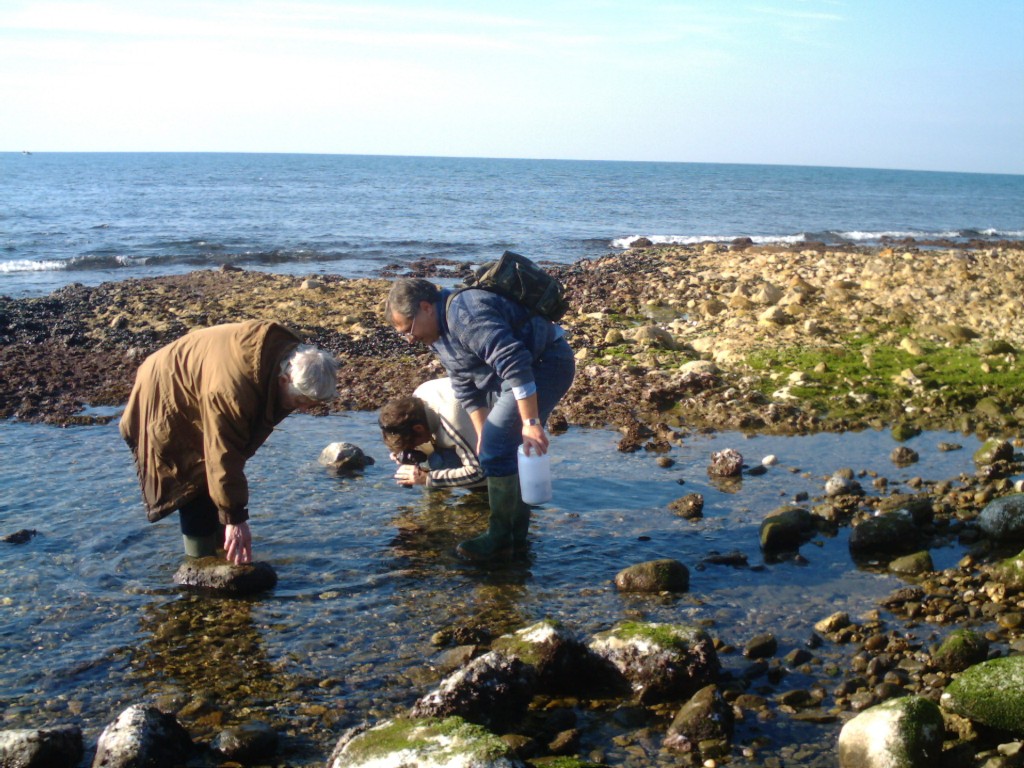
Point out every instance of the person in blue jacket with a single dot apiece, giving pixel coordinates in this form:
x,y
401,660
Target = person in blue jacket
x,y
497,351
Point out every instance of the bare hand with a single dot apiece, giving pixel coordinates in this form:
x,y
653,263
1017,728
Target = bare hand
x,y
238,543
410,475
534,440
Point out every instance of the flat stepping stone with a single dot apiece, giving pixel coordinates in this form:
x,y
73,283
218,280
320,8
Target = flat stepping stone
x,y
218,575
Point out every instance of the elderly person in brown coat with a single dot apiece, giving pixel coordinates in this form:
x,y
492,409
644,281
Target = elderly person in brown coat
x,y
200,408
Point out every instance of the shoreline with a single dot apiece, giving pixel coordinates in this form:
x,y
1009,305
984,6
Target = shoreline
x,y
766,339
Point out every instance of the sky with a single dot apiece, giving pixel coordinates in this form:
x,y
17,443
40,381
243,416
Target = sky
x,y
908,84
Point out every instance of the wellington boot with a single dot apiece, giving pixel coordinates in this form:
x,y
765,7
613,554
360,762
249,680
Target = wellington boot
x,y
505,502
201,546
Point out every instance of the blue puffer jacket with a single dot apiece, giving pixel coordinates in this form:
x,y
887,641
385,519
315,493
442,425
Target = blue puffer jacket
x,y
487,340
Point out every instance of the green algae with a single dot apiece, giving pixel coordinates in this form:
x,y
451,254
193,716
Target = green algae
x,y
450,736
990,693
676,636
866,375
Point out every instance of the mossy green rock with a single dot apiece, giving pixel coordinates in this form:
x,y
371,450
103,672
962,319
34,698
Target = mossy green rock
x,y
962,649
1010,571
423,742
891,533
992,450
990,693
913,565
900,733
786,528
665,575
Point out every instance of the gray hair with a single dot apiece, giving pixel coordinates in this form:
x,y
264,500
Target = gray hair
x,y
406,294
311,372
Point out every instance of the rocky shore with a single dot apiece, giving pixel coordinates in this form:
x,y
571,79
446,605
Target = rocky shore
x,y
677,339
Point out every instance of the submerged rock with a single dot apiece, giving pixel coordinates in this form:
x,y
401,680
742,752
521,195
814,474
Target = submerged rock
x,y
422,743
665,575
890,533
143,736
990,693
900,733
57,747
221,576
253,742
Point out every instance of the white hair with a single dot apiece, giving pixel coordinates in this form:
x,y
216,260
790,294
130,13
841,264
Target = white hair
x,y
311,372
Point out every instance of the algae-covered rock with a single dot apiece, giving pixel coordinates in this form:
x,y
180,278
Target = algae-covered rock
x,y
1003,518
962,649
665,575
1010,572
900,733
218,575
560,660
786,528
990,693
422,743
992,450
659,661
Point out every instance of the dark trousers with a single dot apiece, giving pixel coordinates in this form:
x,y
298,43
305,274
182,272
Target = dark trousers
x,y
199,517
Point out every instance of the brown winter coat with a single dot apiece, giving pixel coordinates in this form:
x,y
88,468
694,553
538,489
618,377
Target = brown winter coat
x,y
201,406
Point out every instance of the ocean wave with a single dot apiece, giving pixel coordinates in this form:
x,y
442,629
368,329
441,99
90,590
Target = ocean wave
x,y
829,237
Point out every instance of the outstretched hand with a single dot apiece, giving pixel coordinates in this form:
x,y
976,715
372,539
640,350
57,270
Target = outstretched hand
x,y
238,543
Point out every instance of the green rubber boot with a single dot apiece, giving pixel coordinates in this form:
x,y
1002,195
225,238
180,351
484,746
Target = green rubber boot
x,y
201,546
506,504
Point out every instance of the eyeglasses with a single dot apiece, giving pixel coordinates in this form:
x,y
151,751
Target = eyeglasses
x,y
410,334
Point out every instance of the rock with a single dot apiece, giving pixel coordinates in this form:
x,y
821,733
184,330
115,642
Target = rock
x,y
786,528
770,460
344,458
641,242
665,575
57,747
422,743
992,450
253,742
659,661
761,646
990,693
1003,518
653,336
915,564
1009,572
561,662
901,456
962,649
900,733
493,690
23,536
690,506
841,485
833,623
726,463
143,736
228,578
921,508
706,717
884,534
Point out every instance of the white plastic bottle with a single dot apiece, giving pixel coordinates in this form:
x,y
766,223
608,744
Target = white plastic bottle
x,y
535,477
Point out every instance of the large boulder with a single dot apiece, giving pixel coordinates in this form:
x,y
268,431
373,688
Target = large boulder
x,y
422,743
900,733
659,661
218,575
493,690
665,575
1002,519
143,736
57,747
560,660
990,693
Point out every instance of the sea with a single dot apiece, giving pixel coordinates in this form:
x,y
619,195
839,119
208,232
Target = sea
x,y
94,217
91,620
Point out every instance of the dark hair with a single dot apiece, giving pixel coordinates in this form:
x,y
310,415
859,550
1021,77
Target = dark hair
x,y
398,417
406,294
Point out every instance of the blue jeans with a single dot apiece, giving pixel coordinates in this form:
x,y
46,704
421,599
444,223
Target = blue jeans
x,y
503,431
